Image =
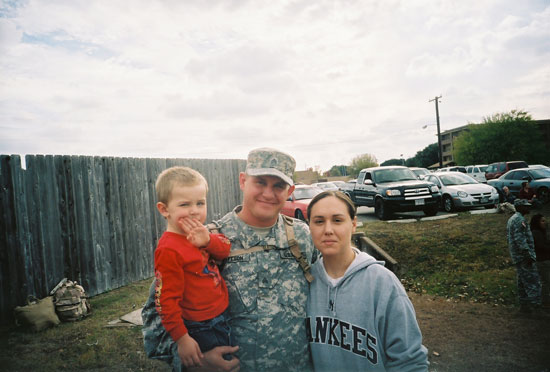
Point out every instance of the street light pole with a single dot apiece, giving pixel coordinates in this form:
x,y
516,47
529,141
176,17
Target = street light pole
x,y
436,99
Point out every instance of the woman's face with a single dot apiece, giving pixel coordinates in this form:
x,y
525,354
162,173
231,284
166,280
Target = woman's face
x,y
543,223
331,226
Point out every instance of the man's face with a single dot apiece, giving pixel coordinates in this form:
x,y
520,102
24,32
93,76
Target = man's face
x,y
264,197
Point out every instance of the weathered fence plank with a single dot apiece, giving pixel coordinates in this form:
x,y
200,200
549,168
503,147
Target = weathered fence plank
x,y
90,219
113,210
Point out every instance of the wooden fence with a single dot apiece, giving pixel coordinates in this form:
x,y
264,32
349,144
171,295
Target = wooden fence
x,y
89,219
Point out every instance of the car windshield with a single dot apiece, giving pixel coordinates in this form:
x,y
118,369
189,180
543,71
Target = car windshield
x,y
393,175
306,192
452,179
540,173
483,169
420,172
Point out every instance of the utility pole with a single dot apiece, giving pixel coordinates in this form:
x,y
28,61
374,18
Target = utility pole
x,y
436,99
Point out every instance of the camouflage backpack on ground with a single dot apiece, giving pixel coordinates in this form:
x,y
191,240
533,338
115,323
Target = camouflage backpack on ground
x,y
70,300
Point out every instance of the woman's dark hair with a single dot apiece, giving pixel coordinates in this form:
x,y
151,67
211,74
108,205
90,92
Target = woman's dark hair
x,y
352,210
535,222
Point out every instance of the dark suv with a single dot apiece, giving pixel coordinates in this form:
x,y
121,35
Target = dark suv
x,y
394,189
495,170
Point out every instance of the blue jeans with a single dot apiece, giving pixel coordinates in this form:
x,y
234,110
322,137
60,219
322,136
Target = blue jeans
x,y
211,333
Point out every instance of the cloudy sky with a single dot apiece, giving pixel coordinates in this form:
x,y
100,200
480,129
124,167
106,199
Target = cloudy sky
x,y
323,80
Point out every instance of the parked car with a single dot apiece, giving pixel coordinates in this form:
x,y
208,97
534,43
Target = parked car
x,y
495,170
339,183
347,186
451,169
539,180
393,189
420,172
477,172
296,205
460,191
326,186
539,166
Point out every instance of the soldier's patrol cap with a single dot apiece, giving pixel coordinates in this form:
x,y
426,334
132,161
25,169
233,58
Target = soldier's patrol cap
x,y
524,202
270,162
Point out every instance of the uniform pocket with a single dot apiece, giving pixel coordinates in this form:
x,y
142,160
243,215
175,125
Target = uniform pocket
x,y
241,285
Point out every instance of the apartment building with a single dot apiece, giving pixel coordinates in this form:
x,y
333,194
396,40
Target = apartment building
x,y
448,137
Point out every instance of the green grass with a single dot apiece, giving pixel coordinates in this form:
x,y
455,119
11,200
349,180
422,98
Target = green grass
x,y
465,257
86,344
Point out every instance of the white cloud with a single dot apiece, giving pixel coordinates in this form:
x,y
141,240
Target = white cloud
x,y
323,80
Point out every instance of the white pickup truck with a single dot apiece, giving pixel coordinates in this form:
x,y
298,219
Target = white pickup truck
x,y
477,172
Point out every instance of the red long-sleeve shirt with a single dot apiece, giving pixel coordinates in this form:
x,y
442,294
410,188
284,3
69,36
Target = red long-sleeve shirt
x,y
188,282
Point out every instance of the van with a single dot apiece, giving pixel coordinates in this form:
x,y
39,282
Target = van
x,y
495,170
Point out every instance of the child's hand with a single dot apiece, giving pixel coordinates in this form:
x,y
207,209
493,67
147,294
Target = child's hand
x,y
196,232
189,351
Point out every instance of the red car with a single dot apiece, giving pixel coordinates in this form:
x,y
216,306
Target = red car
x,y
296,205
495,170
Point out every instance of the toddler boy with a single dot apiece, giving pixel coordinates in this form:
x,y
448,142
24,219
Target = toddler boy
x,y
190,295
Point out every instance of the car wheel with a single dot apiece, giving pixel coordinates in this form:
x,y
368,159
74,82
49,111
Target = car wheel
x,y
542,195
381,210
431,211
300,215
448,204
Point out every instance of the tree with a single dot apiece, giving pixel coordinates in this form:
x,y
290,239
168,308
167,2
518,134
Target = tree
x,y
338,170
360,162
501,137
425,157
392,162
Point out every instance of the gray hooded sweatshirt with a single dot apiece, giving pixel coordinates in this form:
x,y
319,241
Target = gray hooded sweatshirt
x,y
364,323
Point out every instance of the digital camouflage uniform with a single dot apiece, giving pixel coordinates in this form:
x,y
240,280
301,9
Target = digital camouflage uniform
x,y
157,341
522,251
267,288
267,296
267,300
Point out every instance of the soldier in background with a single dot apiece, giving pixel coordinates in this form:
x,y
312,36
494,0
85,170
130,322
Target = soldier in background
x,y
522,251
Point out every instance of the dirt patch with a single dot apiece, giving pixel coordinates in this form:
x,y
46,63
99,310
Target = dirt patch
x,y
466,336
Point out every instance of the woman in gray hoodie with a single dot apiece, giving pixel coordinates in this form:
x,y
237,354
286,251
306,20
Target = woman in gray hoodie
x,y
359,317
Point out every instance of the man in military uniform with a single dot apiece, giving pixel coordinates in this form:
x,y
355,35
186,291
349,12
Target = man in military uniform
x,y
266,273
522,251
267,287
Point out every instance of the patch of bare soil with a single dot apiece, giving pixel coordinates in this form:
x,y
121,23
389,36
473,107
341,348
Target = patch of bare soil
x,y
466,336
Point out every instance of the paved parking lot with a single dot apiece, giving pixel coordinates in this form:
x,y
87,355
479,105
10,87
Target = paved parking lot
x,y
366,214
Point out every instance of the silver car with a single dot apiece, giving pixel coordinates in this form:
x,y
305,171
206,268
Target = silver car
x,y
326,186
460,191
